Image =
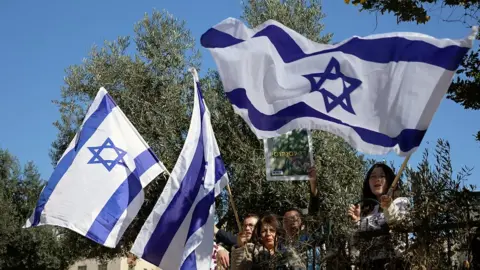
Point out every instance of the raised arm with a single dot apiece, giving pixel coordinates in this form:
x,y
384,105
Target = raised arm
x,y
314,204
227,238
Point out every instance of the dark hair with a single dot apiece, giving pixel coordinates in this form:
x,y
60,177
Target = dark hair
x,y
296,210
251,215
367,192
272,220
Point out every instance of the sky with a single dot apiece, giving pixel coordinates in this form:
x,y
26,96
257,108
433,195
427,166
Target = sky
x,y
42,38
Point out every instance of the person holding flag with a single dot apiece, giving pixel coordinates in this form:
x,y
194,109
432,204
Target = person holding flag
x,y
379,93
379,212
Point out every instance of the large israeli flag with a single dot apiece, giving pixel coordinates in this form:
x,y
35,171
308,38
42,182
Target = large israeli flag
x,y
178,234
97,186
379,92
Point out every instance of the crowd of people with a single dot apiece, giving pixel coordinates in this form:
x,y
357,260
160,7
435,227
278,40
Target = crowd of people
x,y
271,242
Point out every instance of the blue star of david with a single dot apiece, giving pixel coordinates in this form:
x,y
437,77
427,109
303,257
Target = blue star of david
x,y
109,164
332,72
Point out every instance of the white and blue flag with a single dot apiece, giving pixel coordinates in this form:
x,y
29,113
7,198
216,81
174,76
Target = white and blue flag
x,y
97,186
178,234
379,92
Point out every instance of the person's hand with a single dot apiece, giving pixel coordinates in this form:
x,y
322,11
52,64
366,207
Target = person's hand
x,y
223,258
354,212
241,239
312,173
385,201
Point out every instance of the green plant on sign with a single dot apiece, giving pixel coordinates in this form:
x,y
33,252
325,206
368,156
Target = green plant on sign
x,y
290,154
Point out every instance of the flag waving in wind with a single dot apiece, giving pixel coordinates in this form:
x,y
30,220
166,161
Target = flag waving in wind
x,y
379,92
97,186
178,234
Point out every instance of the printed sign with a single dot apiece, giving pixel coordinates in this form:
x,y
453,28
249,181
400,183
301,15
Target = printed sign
x,y
289,156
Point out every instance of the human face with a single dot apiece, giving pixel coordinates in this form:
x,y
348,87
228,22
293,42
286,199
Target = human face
x,y
292,222
249,226
378,182
268,234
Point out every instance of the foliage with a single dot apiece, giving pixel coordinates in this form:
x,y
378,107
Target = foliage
x,y
464,90
441,206
152,88
302,16
34,248
339,169
419,10
439,223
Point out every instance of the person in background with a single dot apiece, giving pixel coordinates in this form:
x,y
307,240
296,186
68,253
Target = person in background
x,y
231,241
266,250
248,229
293,224
382,253
131,260
228,239
293,220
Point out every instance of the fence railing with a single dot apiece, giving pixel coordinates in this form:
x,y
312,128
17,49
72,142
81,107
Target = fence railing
x,y
338,253
354,251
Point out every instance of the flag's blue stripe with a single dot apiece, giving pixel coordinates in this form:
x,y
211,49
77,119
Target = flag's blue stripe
x,y
219,168
121,198
202,209
89,128
182,202
199,218
201,213
214,38
190,262
177,210
407,139
378,50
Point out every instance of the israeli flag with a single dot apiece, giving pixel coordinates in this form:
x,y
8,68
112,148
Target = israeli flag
x,y
379,92
97,186
178,234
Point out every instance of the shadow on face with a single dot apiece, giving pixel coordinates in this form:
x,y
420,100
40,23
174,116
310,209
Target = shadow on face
x,y
292,222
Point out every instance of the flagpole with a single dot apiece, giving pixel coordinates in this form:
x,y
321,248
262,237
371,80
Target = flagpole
x,y
234,208
397,177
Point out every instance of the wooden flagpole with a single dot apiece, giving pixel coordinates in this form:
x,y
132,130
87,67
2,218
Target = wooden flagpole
x,y
397,177
234,208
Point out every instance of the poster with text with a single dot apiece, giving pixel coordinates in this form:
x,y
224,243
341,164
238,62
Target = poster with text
x,y
289,156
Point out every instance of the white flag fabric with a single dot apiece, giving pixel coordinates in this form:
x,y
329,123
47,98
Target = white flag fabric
x,y
178,234
97,186
379,92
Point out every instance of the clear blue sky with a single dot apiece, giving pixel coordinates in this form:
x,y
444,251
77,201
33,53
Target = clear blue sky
x,y
40,39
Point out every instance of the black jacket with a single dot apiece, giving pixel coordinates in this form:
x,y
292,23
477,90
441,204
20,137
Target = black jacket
x,y
226,238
